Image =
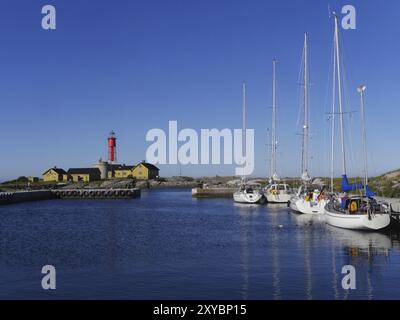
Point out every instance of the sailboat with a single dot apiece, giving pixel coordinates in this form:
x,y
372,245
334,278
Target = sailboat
x,y
360,212
309,199
248,192
275,192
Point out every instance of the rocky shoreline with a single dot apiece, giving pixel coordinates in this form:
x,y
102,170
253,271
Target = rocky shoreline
x,y
171,182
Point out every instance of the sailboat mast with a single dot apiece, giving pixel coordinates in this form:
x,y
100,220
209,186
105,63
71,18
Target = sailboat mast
x,y
273,135
361,90
340,94
244,124
305,106
333,125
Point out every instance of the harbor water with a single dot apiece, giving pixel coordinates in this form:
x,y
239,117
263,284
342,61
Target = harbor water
x,y
168,245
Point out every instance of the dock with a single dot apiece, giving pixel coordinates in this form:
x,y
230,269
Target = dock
x,y
394,203
37,195
395,210
213,192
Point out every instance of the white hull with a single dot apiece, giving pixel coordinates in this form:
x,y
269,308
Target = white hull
x,y
357,221
300,205
278,198
242,197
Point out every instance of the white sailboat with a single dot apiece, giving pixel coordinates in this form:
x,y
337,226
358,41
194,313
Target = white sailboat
x,y
248,192
275,192
361,212
309,199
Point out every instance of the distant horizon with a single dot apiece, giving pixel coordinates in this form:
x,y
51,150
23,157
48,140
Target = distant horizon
x,y
248,178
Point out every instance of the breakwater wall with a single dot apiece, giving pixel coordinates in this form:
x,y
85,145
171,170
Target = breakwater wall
x,y
37,195
25,196
213,192
96,193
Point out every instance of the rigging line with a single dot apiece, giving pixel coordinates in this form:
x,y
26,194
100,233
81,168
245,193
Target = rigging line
x,y
244,125
349,123
339,83
331,80
299,92
301,102
269,150
335,132
346,96
339,113
305,107
273,140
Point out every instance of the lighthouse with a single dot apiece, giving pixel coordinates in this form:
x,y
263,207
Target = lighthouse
x,y
112,147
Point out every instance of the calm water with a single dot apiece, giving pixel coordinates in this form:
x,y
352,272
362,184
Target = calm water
x,y
167,245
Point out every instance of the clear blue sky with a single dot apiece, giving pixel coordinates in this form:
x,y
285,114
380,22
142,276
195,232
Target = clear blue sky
x,y
134,65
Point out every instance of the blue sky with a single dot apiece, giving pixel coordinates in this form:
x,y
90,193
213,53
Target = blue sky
x,y
132,66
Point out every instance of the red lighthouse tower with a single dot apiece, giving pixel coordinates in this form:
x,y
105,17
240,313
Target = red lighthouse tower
x,y
112,147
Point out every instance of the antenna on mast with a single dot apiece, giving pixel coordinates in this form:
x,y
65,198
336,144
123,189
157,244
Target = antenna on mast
x,y
330,12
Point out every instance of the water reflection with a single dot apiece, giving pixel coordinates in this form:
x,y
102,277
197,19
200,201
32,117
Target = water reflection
x,y
275,251
309,219
361,249
247,208
305,238
361,243
161,245
245,213
367,251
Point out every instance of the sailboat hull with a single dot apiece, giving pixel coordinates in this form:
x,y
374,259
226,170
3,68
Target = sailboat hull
x,y
358,221
300,205
278,198
241,197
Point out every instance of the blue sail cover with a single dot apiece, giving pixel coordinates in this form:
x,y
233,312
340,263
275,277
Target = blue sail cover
x,y
347,187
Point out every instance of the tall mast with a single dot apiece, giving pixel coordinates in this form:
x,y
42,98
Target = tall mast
x,y
361,90
333,124
339,84
305,106
244,124
273,135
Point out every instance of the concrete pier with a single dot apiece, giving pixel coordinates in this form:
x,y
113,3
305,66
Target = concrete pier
x,y
395,203
395,206
25,196
213,192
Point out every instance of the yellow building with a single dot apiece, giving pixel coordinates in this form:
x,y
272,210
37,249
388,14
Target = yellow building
x,y
120,171
55,175
145,171
84,174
